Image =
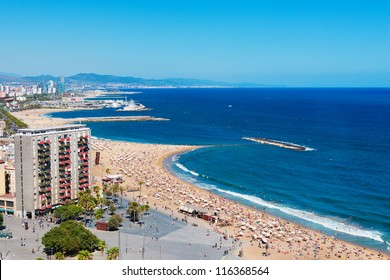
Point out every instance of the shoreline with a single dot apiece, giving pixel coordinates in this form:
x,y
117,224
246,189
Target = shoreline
x,y
294,224
145,163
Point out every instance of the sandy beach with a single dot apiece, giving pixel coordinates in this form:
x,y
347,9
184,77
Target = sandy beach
x,y
259,235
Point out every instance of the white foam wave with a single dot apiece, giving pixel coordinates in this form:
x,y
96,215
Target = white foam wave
x,y
388,245
182,167
326,222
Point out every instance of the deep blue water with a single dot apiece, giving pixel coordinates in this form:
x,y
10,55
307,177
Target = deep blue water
x,y
342,187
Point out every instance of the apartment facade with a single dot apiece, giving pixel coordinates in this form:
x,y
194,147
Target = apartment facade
x,y
51,166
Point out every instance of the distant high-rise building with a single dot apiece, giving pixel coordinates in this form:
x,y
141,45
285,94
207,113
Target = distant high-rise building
x,y
61,87
51,166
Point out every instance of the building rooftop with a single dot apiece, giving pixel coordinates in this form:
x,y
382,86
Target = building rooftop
x,y
51,129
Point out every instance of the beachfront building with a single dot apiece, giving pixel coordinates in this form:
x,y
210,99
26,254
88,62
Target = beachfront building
x,y
51,166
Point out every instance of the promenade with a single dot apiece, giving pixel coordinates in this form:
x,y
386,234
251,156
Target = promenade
x,y
161,236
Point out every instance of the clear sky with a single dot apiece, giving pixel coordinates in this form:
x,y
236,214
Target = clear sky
x,y
293,43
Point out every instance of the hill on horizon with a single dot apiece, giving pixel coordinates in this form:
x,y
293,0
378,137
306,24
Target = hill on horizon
x,y
104,80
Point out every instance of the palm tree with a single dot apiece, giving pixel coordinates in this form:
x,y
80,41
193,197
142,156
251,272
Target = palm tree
x,y
101,246
133,210
84,255
144,208
87,202
59,256
115,189
105,188
113,253
108,170
121,189
96,190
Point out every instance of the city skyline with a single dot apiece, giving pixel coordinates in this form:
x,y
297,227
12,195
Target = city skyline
x,y
266,42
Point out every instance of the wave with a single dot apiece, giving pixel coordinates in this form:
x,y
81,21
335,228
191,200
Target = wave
x,y
182,167
323,221
388,245
304,215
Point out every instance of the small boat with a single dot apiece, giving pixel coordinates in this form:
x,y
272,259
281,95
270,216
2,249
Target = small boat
x,y
230,106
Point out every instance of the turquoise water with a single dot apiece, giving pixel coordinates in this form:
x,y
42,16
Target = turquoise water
x,y
341,187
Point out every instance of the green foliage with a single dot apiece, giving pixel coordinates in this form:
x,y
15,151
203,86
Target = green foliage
x,y
70,237
87,201
11,119
39,259
84,255
68,212
59,256
134,210
101,245
112,253
112,208
1,219
114,222
99,213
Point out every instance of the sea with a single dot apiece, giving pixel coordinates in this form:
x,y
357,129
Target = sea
x,y
340,186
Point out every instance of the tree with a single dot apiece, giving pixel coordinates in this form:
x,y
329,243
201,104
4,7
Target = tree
x,y
113,253
101,245
84,255
68,212
108,193
69,237
99,213
133,211
112,208
115,189
108,170
87,202
121,189
96,190
144,208
59,256
1,219
114,222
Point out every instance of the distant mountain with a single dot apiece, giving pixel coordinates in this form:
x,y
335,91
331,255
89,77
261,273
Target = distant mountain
x,y
9,77
9,74
111,80
41,78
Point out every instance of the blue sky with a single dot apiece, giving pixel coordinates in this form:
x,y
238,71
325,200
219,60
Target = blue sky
x,y
293,43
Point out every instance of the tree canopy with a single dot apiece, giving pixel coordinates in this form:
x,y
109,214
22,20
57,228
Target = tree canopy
x,y
69,238
114,222
68,212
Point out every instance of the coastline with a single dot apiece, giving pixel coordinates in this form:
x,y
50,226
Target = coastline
x,y
145,163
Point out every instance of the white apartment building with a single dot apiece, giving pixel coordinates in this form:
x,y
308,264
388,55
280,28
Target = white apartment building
x,y
51,166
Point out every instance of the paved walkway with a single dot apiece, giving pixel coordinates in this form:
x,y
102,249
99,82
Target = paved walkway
x,y
161,236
